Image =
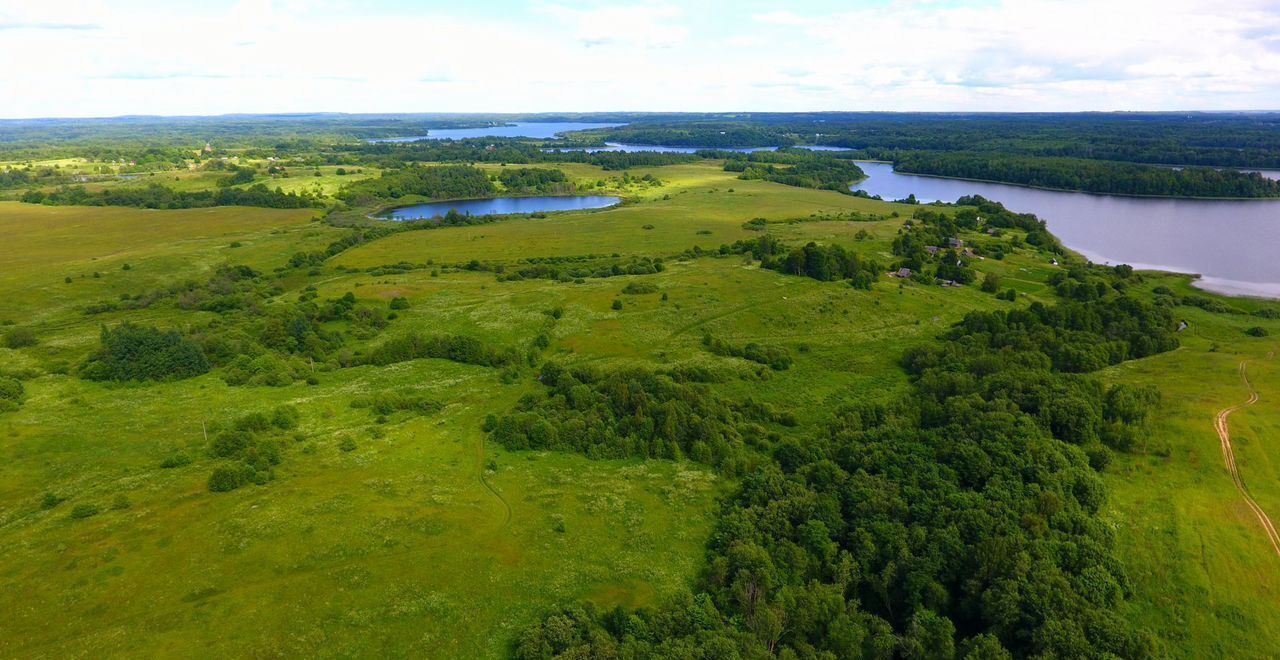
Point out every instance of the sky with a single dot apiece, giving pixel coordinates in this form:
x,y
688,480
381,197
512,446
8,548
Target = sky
x,y
93,58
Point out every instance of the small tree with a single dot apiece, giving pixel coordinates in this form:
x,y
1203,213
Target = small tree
x,y
20,337
227,478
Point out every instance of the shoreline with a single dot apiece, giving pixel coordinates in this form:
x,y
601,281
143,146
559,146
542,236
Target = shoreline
x,y
374,214
1080,192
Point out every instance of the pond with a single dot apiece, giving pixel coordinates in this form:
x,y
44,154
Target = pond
x,y
525,129
1231,243
500,206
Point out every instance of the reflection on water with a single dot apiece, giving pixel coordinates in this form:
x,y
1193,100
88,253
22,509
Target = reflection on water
x,y
527,129
501,206
1231,243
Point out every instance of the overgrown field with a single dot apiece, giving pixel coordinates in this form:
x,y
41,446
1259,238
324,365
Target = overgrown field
x,y
390,523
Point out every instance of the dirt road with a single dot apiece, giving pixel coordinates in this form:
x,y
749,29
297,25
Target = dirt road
x,y
1229,456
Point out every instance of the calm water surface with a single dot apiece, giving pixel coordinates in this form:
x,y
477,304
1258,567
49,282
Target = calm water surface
x,y
632,148
501,206
1233,244
528,129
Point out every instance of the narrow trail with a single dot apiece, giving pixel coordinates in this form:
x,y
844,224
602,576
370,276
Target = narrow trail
x,y
1229,457
485,482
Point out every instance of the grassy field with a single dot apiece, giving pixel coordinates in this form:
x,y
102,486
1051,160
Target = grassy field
x,y
424,539
699,204
1204,575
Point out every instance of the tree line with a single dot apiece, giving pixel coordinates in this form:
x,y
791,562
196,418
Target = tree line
x,y
433,182
156,196
812,171
1091,175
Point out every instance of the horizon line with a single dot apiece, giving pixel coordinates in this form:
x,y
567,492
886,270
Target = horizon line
x,y
428,113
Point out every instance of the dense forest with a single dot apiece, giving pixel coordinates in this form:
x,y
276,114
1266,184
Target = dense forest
x,y
498,150
535,180
798,168
439,182
156,196
958,519
1091,175
1205,139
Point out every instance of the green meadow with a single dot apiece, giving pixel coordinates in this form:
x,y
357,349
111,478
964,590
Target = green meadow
x,y
412,535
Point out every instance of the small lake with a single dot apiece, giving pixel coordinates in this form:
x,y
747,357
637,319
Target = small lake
x,y
501,206
526,129
1231,243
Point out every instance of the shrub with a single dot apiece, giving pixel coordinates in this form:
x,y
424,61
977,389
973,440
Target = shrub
x,y
10,389
458,348
1257,331
49,500
399,302
347,444
638,288
176,460
84,510
776,358
387,402
617,304
20,337
132,352
266,369
284,417
227,478
991,283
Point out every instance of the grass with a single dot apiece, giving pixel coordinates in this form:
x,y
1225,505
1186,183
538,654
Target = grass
x,y
424,539
1205,577
695,199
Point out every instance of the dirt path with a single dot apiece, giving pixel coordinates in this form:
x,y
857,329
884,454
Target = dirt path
x,y
1229,456
485,482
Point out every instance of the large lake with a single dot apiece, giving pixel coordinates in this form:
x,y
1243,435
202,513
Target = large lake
x,y
633,148
1233,244
501,206
526,129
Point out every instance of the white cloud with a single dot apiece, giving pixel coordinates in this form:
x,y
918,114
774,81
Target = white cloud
x,y
782,17
645,26
94,57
